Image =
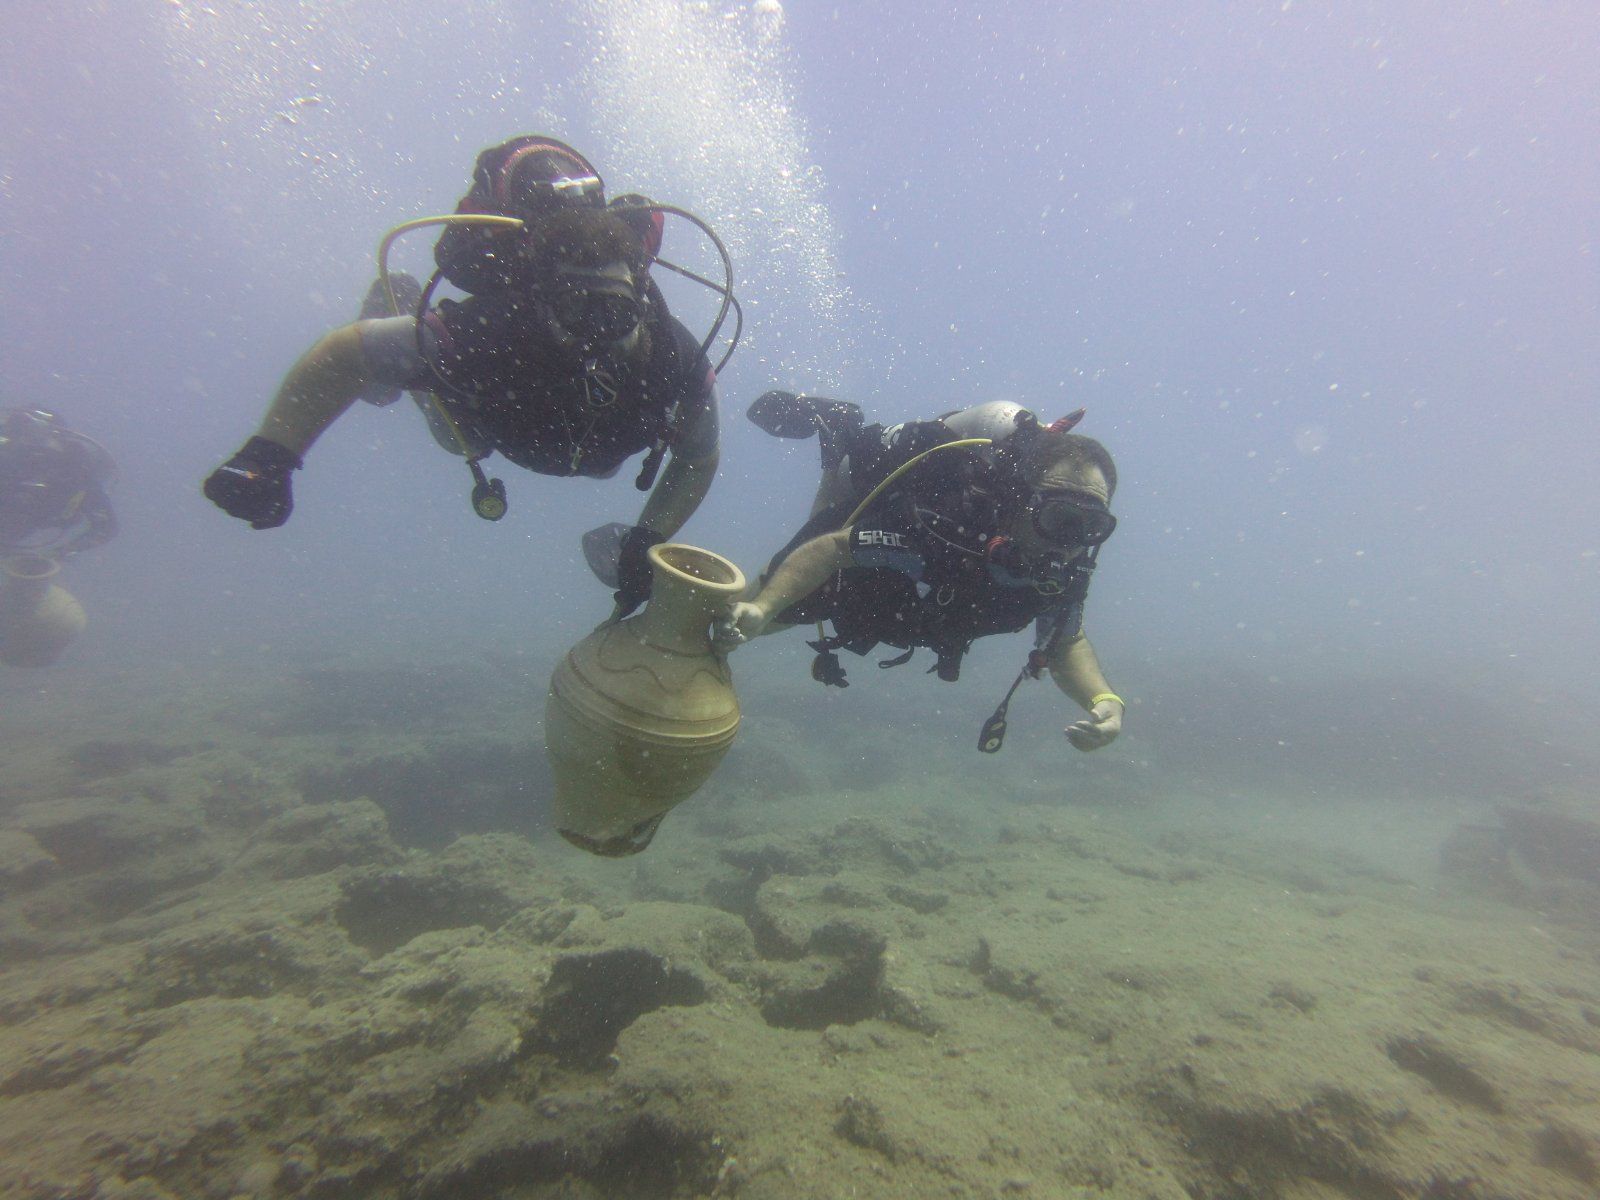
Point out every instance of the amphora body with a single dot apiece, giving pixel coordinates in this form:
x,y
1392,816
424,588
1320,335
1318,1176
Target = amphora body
x,y
641,712
38,617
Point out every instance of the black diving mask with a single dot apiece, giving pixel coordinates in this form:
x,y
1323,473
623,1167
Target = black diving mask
x,y
1069,519
597,310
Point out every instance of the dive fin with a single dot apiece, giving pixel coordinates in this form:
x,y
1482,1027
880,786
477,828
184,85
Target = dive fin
x,y
602,550
787,415
784,414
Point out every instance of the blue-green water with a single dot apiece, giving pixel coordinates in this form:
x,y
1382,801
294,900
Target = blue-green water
x,y
281,910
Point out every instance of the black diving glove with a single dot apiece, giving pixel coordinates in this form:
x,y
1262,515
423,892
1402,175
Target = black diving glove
x,y
634,572
253,485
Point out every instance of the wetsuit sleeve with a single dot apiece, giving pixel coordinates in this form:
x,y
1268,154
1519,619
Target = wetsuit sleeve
x,y
698,428
390,354
1068,617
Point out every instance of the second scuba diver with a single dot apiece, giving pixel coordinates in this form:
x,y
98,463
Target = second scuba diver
x,y
53,505
936,533
563,357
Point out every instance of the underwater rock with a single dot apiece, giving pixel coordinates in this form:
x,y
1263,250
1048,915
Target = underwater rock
x,y
1478,857
1446,1070
862,841
441,787
582,1146
590,999
382,912
60,1048
906,991
221,958
1554,842
314,838
23,862
1564,1148
839,982
97,758
763,857
918,900
92,833
1259,1143
1292,995
861,1124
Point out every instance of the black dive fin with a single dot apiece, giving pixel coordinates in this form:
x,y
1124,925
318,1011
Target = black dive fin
x,y
784,414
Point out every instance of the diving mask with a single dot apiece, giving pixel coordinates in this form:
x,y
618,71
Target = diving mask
x,y
1070,519
596,308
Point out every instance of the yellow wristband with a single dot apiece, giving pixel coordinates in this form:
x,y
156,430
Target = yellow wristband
x,y
1093,700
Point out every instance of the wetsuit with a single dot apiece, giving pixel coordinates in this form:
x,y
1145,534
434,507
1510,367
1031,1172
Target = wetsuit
x,y
922,574
538,407
52,493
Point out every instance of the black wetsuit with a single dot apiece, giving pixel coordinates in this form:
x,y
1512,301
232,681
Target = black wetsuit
x,y
52,493
922,575
510,390
538,407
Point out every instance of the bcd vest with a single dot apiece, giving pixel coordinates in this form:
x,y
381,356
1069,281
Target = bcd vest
x,y
957,601
534,404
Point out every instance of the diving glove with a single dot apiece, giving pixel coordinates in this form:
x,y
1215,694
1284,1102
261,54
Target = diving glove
x,y
253,485
634,572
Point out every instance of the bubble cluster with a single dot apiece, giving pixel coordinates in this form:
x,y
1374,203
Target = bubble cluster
x,y
697,105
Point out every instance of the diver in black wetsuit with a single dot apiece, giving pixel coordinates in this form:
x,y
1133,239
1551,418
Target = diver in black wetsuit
x,y
53,481
932,534
563,357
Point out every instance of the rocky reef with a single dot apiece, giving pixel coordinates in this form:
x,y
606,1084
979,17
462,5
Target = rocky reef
x,y
249,955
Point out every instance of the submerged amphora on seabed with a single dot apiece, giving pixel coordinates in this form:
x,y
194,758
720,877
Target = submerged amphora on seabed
x,y
38,617
641,711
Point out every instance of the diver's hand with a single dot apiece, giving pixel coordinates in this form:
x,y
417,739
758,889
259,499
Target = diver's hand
x,y
634,572
741,623
253,485
1100,728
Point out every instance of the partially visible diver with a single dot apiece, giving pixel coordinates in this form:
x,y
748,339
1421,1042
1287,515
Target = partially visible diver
x,y
53,481
932,534
53,505
563,356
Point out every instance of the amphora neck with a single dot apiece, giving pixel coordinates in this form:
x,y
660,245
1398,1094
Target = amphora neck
x,y
691,587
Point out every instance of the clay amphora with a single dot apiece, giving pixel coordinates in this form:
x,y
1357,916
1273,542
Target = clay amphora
x,y
37,617
641,712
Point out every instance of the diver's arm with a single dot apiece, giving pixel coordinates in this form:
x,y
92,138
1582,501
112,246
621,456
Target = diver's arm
x,y
804,571
673,500
254,485
1076,670
682,486
326,381
800,574
692,466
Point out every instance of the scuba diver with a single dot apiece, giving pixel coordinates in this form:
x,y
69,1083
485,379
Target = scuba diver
x,y
53,501
53,505
562,356
932,534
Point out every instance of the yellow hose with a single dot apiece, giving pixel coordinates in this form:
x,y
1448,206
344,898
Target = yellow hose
x,y
422,222
906,466
394,305
895,474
